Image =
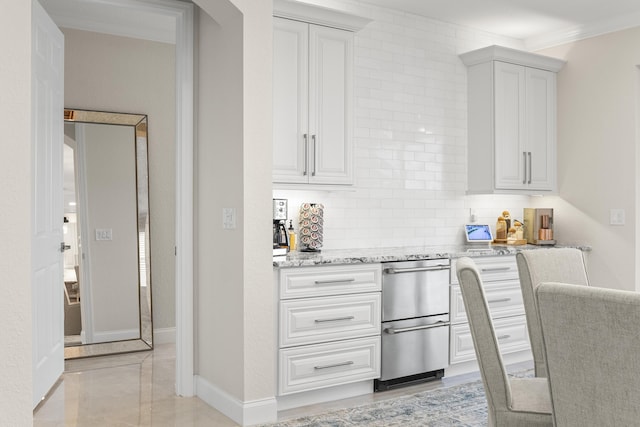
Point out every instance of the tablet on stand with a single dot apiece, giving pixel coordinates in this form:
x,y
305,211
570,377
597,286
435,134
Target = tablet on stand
x,y
478,235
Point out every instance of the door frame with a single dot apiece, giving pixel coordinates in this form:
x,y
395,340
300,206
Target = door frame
x,y
184,17
182,14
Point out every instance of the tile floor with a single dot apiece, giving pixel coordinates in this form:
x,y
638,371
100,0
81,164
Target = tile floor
x,y
137,389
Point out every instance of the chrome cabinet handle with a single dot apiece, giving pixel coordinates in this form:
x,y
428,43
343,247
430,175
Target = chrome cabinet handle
x,y
331,282
416,269
529,167
315,152
499,300
438,324
335,319
489,269
335,365
306,153
504,337
524,165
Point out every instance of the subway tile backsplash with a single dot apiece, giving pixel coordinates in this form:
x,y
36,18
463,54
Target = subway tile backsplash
x,y
410,136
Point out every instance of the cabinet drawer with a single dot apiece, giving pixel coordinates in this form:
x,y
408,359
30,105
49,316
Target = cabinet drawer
x,y
495,268
323,365
504,299
511,333
315,320
329,280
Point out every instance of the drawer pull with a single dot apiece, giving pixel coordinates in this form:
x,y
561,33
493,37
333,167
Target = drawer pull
x,y
504,337
499,300
489,269
335,365
330,282
438,324
335,319
416,269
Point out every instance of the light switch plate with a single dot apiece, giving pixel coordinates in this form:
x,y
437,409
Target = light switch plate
x,y
104,234
616,217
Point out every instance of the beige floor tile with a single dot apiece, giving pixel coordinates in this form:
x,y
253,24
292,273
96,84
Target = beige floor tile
x,y
137,389
134,389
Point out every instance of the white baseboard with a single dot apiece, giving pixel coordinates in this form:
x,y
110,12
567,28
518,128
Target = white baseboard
x,y
164,335
244,413
323,395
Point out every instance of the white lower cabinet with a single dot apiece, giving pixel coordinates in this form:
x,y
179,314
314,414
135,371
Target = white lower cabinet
x,y
511,334
502,289
323,365
329,326
312,320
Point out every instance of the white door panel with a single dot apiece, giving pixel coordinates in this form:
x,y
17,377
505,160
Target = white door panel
x,y
47,202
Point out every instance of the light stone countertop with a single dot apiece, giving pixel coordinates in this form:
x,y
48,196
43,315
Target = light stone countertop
x,y
375,255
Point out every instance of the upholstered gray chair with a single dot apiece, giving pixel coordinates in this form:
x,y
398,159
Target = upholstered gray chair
x,y
511,402
72,319
564,265
591,342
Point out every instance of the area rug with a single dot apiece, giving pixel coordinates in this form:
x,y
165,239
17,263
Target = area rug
x,y
460,405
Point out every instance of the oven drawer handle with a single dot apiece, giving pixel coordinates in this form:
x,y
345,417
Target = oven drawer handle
x,y
438,324
335,319
496,268
492,301
330,282
335,365
416,269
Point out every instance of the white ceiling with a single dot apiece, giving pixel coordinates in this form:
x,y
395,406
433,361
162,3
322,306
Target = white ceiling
x,y
538,23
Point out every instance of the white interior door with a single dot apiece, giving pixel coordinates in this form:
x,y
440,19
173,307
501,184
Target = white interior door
x,y
47,88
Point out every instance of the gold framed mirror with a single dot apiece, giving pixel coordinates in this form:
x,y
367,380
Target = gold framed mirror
x,y
107,290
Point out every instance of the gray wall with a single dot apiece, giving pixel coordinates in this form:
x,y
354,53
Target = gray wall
x,y
110,73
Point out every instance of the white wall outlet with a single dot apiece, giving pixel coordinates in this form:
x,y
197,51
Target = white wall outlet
x,y
228,218
104,234
616,217
473,217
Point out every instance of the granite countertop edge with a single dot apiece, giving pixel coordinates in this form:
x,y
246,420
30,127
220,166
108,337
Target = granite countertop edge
x,y
377,255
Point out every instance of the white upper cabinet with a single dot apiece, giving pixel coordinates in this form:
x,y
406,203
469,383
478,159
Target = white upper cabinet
x,y
312,102
511,121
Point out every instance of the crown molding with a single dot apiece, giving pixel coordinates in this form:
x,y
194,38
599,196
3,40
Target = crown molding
x,y
568,35
318,15
515,56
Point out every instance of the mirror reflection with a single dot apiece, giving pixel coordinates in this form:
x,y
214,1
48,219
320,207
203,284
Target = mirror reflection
x,y
107,283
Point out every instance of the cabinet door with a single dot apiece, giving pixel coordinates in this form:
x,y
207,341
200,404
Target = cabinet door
x,y
541,129
510,154
330,98
314,320
290,100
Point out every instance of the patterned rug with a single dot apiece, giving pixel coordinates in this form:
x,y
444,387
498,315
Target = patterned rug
x,y
460,405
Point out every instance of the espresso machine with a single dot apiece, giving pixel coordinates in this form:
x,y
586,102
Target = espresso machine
x,y
538,226
280,238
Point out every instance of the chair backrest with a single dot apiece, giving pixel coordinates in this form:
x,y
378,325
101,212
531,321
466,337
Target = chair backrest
x,y
494,375
591,339
564,265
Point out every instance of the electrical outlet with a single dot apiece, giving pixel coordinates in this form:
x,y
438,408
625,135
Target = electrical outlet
x,y
228,218
616,217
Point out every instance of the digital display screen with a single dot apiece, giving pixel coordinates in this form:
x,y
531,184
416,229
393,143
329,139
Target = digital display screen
x,y
478,233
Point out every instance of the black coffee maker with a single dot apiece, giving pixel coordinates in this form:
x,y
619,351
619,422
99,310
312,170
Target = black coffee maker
x,y
280,238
